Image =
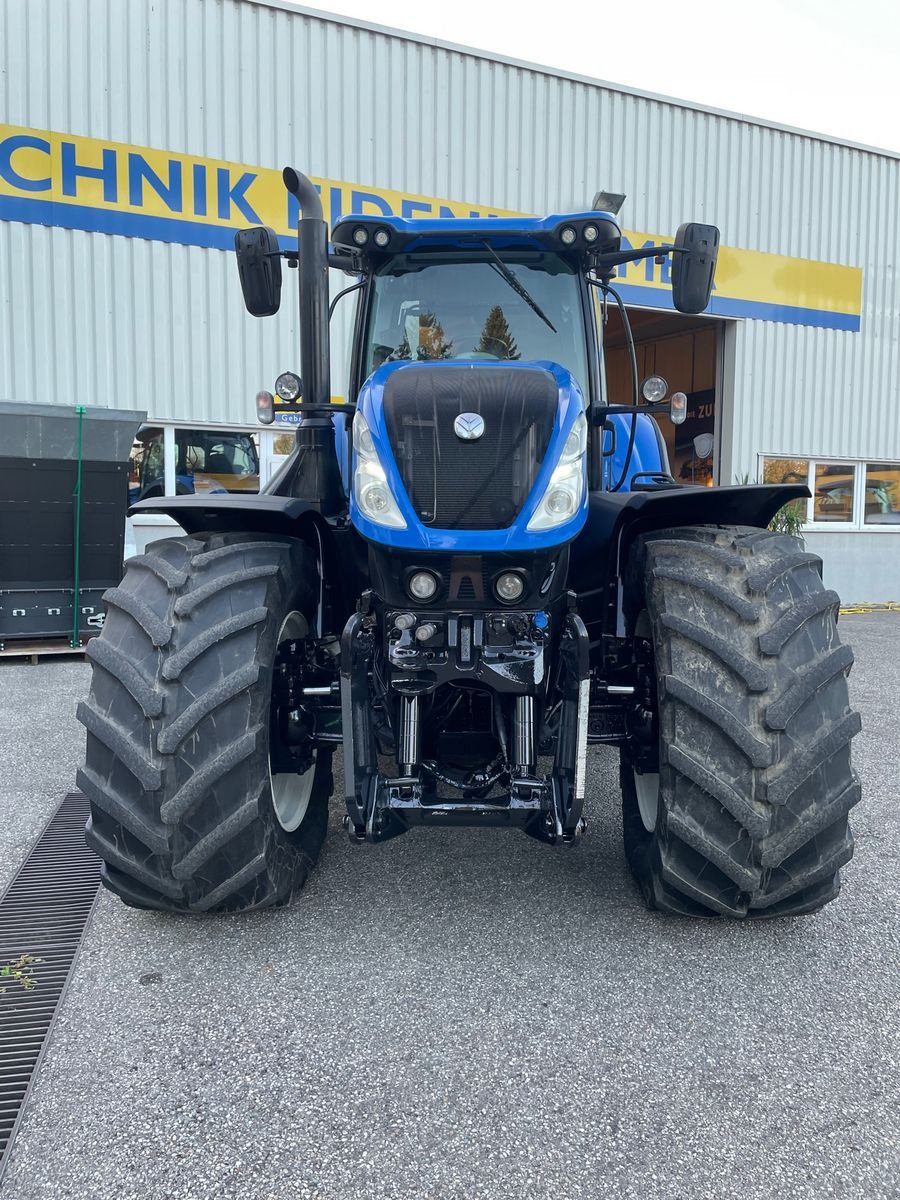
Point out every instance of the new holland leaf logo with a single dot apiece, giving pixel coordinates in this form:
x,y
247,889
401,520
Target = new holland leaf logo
x,y
468,426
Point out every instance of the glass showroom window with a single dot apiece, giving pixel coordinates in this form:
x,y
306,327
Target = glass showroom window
x,y
146,468
833,490
207,462
789,470
845,495
210,461
882,495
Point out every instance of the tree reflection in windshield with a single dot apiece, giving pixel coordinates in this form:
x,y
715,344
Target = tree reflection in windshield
x,y
496,337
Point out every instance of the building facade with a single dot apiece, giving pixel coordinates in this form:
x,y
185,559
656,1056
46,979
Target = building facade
x,y
137,136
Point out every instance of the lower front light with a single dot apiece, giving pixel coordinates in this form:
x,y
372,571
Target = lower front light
x,y
509,586
422,585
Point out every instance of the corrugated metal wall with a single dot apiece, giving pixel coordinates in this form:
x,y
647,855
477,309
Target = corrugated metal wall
x,y
111,319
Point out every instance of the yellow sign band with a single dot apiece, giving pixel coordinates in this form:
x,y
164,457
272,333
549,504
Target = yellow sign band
x,y
59,179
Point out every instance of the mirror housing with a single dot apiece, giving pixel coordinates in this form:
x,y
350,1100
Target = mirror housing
x,y
259,266
694,266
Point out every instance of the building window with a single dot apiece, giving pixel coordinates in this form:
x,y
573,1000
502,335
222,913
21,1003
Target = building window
x,y
207,462
146,468
789,470
845,495
882,496
833,490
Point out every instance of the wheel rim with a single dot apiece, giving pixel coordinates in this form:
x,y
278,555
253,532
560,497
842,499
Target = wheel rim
x,y
646,784
291,793
647,788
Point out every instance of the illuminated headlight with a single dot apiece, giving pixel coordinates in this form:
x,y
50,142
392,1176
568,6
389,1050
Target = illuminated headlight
x,y
382,237
565,489
509,586
422,585
567,235
288,386
654,389
360,235
590,233
371,489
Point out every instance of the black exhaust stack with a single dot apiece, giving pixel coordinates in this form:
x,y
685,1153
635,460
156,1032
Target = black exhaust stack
x,y
312,249
317,477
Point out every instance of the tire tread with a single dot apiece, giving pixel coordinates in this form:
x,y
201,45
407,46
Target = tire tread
x,y
755,776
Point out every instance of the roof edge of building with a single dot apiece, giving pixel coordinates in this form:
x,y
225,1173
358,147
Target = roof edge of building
x,y
560,73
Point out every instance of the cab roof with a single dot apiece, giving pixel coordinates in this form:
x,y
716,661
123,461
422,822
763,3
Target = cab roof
x,y
576,234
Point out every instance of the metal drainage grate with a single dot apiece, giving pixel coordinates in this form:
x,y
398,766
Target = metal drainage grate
x,y
43,915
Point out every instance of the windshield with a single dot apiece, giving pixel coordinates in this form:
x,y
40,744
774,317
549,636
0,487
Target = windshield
x,y
461,307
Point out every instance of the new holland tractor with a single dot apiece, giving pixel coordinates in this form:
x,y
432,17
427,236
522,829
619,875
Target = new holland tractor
x,y
465,577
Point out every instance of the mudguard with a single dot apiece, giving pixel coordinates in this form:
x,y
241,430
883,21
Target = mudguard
x,y
600,553
340,552
247,513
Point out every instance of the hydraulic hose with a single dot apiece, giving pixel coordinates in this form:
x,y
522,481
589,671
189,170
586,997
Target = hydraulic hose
x,y
629,336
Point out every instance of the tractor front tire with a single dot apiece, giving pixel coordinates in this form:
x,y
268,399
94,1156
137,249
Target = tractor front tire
x,y
745,814
178,771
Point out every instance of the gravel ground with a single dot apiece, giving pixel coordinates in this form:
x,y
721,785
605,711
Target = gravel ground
x,y
36,698
455,1016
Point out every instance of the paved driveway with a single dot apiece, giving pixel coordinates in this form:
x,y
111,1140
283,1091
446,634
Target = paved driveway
x,y
461,1015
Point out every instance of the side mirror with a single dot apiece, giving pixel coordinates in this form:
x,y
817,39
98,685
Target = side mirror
x,y
259,266
694,266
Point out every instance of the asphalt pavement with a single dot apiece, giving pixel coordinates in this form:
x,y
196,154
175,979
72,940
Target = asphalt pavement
x,y
458,1015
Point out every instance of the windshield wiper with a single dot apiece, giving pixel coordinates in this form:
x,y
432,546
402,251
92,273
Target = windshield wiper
x,y
503,270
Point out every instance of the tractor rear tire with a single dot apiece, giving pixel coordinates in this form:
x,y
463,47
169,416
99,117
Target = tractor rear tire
x,y
177,766
747,815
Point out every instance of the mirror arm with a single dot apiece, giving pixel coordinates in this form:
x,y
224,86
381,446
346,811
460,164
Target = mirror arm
x,y
617,257
337,262
343,262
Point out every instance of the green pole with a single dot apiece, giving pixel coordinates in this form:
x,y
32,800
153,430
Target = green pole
x,y
79,410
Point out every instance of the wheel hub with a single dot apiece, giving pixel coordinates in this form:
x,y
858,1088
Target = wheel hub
x,y
646,786
292,762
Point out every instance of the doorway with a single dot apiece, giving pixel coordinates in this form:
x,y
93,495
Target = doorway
x,y
685,351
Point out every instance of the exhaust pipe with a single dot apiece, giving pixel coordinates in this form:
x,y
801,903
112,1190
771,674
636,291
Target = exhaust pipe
x,y
312,249
317,477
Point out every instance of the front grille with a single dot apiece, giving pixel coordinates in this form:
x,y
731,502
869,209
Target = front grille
x,y
482,484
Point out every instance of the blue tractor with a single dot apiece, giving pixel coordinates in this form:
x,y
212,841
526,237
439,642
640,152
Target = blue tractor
x,y
465,578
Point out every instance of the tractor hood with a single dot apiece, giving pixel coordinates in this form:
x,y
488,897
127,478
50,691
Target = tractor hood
x,y
462,456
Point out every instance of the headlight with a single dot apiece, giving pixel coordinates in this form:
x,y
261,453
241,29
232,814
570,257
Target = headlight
x,y
422,585
382,237
567,235
509,586
371,489
565,490
288,386
360,235
654,389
